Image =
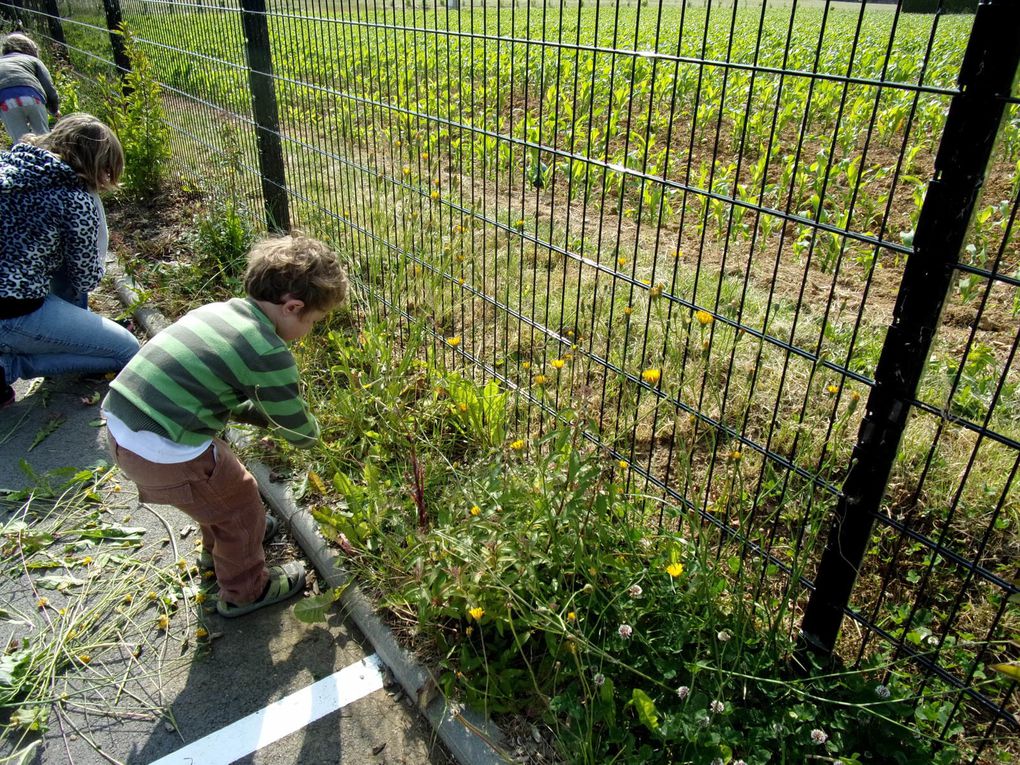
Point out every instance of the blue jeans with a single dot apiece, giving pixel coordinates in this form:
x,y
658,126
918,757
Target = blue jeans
x,y
59,338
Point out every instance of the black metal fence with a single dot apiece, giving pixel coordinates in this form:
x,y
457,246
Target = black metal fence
x,y
767,249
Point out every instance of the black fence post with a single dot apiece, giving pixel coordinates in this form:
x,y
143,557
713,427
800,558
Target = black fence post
x,y
986,79
267,118
115,23
55,26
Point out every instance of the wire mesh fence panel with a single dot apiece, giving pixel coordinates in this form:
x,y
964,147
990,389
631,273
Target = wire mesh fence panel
x,y
685,224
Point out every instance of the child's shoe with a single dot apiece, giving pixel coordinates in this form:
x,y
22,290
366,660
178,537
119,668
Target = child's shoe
x,y
6,391
285,581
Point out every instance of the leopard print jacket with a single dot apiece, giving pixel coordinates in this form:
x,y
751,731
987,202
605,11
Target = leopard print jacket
x,y
49,223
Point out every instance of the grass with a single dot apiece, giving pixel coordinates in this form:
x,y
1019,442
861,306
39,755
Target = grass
x,y
541,582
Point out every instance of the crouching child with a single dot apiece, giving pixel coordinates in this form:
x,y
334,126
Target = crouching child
x,y
225,361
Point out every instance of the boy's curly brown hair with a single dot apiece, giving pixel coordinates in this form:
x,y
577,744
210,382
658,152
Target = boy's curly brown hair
x,y
298,267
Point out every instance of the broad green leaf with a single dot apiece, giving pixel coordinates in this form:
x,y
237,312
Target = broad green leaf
x,y
31,718
58,582
314,609
646,711
1009,669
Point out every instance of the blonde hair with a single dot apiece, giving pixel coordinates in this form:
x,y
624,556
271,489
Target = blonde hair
x,y
295,267
88,145
19,43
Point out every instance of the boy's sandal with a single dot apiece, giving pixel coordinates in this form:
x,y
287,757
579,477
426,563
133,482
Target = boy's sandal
x,y
284,582
205,559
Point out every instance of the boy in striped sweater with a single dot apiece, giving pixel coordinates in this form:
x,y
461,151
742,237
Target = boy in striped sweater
x,y
219,362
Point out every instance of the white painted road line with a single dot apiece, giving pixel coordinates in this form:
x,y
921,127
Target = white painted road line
x,y
282,717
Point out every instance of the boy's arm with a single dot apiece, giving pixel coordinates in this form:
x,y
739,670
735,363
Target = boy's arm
x,y
277,398
52,97
248,414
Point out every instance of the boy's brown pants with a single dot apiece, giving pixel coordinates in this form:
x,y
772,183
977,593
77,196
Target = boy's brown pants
x,y
222,497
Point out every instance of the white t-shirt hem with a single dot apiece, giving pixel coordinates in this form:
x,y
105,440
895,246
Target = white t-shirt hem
x,y
152,446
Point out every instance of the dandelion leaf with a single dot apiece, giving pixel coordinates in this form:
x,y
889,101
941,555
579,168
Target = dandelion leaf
x,y
31,718
314,609
1010,669
59,583
48,427
646,711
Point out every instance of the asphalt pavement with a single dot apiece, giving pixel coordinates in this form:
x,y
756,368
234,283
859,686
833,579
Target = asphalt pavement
x,y
263,688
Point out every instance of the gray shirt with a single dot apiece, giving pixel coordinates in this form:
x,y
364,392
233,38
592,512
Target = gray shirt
x,y
19,70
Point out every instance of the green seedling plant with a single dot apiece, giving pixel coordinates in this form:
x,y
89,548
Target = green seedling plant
x,y
134,109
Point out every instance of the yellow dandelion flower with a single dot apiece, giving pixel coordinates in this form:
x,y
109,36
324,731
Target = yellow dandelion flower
x,y
397,144
855,396
476,510
201,633
656,291
42,602
425,156
462,407
571,616
150,595
557,363
200,597
85,658
541,379
735,455
623,464
87,560
517,445
627,311
832,389
434,195
621,262
129,598
453,342
675,569
519,223
406,169
476,613
182,564
704,318
651,376
526,365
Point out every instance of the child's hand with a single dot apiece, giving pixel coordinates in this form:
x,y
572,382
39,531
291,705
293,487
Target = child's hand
x,y
249,415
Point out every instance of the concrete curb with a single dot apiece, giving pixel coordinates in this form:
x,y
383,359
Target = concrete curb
x,y
471,739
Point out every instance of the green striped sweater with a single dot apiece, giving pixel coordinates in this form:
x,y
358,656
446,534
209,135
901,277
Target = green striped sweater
x,y
219,360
